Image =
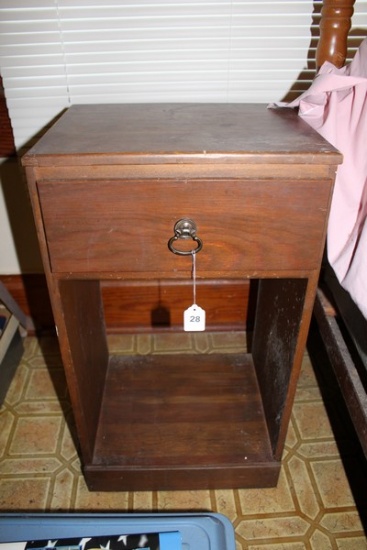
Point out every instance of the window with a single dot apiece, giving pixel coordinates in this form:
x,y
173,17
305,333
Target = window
x,y
59,52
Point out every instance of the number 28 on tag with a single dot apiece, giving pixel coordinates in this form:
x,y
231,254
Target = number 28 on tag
x,y
194,319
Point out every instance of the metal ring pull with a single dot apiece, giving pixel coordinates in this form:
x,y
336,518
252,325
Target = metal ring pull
x,y
185,229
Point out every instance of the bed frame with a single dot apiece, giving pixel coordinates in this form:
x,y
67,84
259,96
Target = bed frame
x,y
342,327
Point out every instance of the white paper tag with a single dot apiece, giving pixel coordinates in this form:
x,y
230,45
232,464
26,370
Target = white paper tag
x,y
194,319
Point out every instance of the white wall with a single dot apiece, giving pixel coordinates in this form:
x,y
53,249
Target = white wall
x,y
8,257
18,242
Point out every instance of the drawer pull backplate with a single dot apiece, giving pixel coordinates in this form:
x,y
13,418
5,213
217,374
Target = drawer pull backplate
x,y
185,229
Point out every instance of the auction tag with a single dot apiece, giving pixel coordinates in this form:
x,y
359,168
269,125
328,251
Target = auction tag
x,y
194,319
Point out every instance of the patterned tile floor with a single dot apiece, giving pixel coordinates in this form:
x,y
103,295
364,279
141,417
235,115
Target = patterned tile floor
x,y
320,501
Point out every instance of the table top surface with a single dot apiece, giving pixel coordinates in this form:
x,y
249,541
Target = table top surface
x,y
215,132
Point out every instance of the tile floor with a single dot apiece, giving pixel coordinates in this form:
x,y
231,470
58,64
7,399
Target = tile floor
x,y
320,501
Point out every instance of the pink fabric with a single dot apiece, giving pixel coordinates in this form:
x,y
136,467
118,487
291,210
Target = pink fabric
x,y
336,106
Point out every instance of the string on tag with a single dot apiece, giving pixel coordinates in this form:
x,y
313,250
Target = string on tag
x,y
194,316
194,276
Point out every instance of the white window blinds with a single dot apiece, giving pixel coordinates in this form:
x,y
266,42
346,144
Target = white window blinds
x,y
58,52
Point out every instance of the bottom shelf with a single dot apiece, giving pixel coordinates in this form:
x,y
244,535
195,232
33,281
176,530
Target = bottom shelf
x,y
181,422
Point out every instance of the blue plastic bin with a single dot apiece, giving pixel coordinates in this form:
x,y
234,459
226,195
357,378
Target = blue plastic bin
x,y
199,531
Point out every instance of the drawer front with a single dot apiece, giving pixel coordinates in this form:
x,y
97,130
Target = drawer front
x,y
124,226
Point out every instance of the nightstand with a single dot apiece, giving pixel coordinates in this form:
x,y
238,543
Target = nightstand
x,y
108,185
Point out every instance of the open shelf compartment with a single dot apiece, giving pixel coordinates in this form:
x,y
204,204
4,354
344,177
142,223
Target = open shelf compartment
x,y
184,421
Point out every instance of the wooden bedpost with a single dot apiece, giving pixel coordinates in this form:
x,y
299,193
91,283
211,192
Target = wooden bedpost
x,y
336,16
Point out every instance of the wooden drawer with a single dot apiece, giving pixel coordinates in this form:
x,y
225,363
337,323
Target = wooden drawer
x,y
124,226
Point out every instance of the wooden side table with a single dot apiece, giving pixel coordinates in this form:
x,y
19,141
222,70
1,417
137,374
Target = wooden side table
x,y
108,184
